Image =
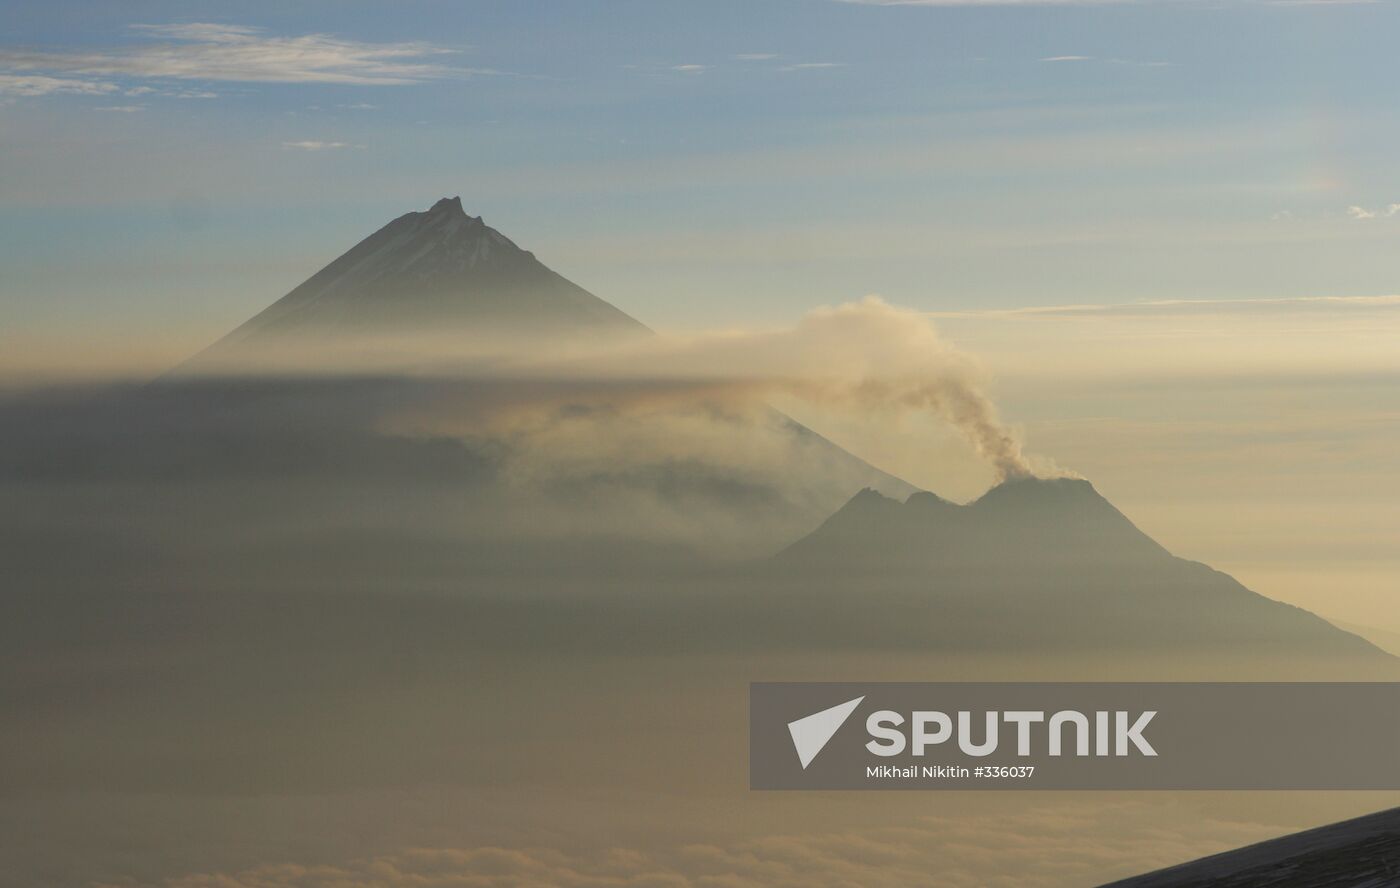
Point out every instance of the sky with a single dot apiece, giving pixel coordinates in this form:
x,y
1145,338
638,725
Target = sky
x,y
175,166
1030,174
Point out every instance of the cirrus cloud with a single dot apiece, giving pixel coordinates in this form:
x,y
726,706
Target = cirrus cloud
x,y
236,53
315,145
42,85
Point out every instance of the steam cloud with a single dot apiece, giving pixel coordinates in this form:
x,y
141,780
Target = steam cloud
x,y
867,355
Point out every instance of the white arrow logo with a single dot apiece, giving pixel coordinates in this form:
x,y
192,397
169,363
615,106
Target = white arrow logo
x,y
811,733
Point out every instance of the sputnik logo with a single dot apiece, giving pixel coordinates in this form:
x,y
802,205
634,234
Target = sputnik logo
x,y
811,733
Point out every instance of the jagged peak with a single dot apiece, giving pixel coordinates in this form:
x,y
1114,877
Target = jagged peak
x,y
923,499
869,497
447,206
868,502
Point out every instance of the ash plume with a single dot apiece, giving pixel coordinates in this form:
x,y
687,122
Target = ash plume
x,y
866,357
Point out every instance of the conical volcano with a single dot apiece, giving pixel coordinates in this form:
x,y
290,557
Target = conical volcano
x,y
438,271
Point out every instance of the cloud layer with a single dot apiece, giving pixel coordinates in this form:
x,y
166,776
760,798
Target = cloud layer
x,y
1075,845
865,358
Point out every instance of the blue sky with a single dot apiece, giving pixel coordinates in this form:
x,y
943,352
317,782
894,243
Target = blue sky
x,y
181,164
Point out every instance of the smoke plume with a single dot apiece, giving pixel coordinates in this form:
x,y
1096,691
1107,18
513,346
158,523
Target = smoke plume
x,y
865,356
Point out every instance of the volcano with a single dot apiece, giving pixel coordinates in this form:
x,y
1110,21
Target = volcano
x,y
1034,563
321,375
1022,520
439,271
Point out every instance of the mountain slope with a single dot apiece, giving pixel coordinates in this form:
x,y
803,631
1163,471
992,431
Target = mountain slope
x,y
1040,562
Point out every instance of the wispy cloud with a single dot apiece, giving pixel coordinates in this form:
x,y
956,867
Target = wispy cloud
x,y
1354,213
42,85
983,2
1363,213
1188,306
178,93
698,68
233,53
1087,2
315,145
1106,61
126,109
